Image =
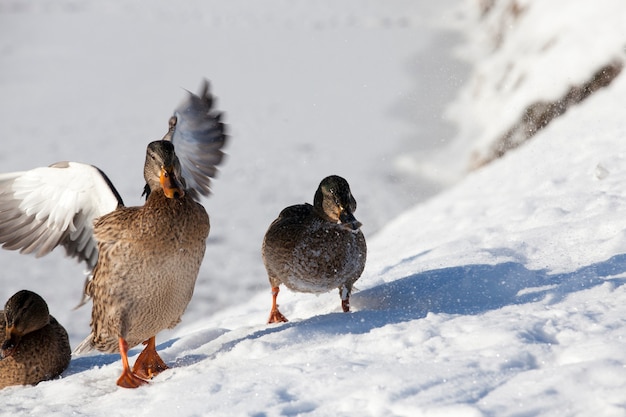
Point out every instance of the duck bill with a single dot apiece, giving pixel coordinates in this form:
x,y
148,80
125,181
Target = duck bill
x,y
172,187
10,344
348,221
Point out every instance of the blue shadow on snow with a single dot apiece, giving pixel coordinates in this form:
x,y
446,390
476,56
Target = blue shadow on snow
x,y
468,289
474,289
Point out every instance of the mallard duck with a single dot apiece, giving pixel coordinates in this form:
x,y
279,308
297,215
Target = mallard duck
x,y
145,260
315,248
34,346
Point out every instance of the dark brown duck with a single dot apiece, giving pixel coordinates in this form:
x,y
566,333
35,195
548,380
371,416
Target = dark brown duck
x,y
316,248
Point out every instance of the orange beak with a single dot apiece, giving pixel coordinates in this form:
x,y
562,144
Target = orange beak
x,y
172,188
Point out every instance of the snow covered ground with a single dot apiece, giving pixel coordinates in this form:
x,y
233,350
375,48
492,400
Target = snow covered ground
x,y
503,295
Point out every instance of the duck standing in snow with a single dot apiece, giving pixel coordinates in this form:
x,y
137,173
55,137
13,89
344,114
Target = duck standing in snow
x,y
145,259
315,248
34,347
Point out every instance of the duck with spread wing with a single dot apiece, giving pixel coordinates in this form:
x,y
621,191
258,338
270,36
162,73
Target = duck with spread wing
x,y
144,260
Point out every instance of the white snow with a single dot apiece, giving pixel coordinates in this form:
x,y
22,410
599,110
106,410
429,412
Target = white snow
x,y
501,295
527,51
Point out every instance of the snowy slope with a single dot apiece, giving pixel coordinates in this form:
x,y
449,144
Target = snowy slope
x,y
501,296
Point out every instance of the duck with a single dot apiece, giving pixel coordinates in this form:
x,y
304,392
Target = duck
x,y
144,260
316,248
34,346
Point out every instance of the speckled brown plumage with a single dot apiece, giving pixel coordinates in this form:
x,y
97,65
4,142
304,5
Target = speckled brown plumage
x,y
315,248
149,261
36,345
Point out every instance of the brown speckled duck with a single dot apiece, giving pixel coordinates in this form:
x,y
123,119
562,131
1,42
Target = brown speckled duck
x,y
34,346
315,248
145,259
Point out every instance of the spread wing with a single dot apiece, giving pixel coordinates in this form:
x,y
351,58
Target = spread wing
x,y
56,205
198,135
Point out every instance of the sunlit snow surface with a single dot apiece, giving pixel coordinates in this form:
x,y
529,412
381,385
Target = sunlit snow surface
x,y
501,296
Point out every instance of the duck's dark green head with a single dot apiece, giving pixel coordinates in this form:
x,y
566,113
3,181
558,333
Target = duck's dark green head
x,y
25,312
335,201
162,170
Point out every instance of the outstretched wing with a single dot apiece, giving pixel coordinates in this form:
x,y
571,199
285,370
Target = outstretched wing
x,y
198,135
50,206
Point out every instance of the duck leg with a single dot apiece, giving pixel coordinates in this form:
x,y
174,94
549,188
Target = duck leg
x,y
128,379
275,315
344,293
149,364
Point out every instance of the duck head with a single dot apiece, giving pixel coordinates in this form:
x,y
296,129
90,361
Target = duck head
x,y
335,202
25,312
162,170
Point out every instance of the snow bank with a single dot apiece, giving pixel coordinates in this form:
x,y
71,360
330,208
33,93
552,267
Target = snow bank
x,y
524,53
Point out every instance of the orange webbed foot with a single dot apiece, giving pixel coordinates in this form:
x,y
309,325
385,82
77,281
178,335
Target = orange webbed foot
x,y
149,364
276,317
127,379
130,380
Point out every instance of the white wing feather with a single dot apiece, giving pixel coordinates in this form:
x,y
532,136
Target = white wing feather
x,y
56,205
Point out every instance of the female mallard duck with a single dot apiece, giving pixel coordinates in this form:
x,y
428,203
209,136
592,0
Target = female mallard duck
x,y
145,259
315,248
34,346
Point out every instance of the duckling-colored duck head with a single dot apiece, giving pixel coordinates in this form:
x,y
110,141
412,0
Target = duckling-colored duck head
x,y
162,170
334,202
25,312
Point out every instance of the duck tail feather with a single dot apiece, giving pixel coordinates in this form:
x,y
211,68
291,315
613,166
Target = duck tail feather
x,y
85,346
